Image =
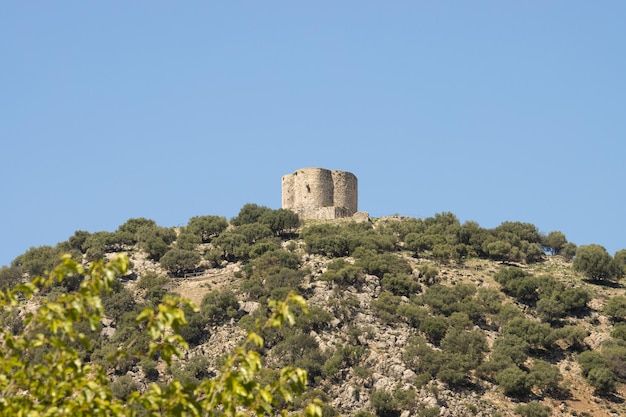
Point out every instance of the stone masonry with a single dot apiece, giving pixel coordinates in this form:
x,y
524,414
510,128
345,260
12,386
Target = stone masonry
x,y
317,193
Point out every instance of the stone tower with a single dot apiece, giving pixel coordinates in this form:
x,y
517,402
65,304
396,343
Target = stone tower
x,y
317,193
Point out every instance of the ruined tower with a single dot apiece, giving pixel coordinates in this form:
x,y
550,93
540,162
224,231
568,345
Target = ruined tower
x,y
317,193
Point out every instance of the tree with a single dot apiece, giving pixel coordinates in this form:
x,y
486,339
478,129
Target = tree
x,y
63,385
384,404
179,261
280,221
37,260
249,213
554,242
545,376
620,260
514,381
155,240
218,306
602,379
596,263
130,228
206,227
615,308
9,276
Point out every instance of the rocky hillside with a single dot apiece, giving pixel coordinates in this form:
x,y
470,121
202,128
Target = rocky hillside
x,y
396,327
354,322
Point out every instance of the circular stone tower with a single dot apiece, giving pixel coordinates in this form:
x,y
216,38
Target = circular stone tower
x,y
318,193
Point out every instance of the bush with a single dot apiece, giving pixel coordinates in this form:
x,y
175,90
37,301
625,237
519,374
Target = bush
x,y
573,336
595,370
37,261
123,386
219,306
619,331
533,409
428,273
400,284
343,273
280,221
206,227
514,381
615,308
191,372
249,213
386,306
155,240
471,344
414,315
180,261
9,277
447,300
435,328
384,404
602,379
149,369
537,335
596,263
381,264
546,377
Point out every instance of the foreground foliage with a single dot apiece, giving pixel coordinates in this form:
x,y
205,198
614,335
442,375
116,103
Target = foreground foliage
x,y
42,372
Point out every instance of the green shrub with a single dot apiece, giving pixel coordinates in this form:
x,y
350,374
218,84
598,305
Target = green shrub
x,y
573,336
386,307
615,308
514,382
280,221
149,368
343,273
414,315
596,263
9,277
381,264
533,409
400,284
546,377
123,386
602,379
206,227
36,261
192,371
429,274
384,404
435,328
179,261
447,300
218,306
249,213
619,331
471,344
537,335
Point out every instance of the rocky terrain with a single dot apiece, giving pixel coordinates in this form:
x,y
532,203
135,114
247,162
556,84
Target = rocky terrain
x,y
395,329
381,367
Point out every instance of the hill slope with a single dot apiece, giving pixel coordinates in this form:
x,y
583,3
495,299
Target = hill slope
x,y
401,323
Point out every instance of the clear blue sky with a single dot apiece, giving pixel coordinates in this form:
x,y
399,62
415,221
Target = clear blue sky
x,y
492,110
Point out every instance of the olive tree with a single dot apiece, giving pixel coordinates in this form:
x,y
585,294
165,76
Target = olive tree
x,y
596,263
179,261
206,227
554,242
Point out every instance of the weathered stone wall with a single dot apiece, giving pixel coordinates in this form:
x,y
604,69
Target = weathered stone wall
x,y
317,193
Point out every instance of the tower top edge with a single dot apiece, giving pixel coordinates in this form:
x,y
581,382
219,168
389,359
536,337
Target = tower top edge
x,y
318,169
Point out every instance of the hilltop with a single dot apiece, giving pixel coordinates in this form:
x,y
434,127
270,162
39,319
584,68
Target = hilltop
x,y
409,317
